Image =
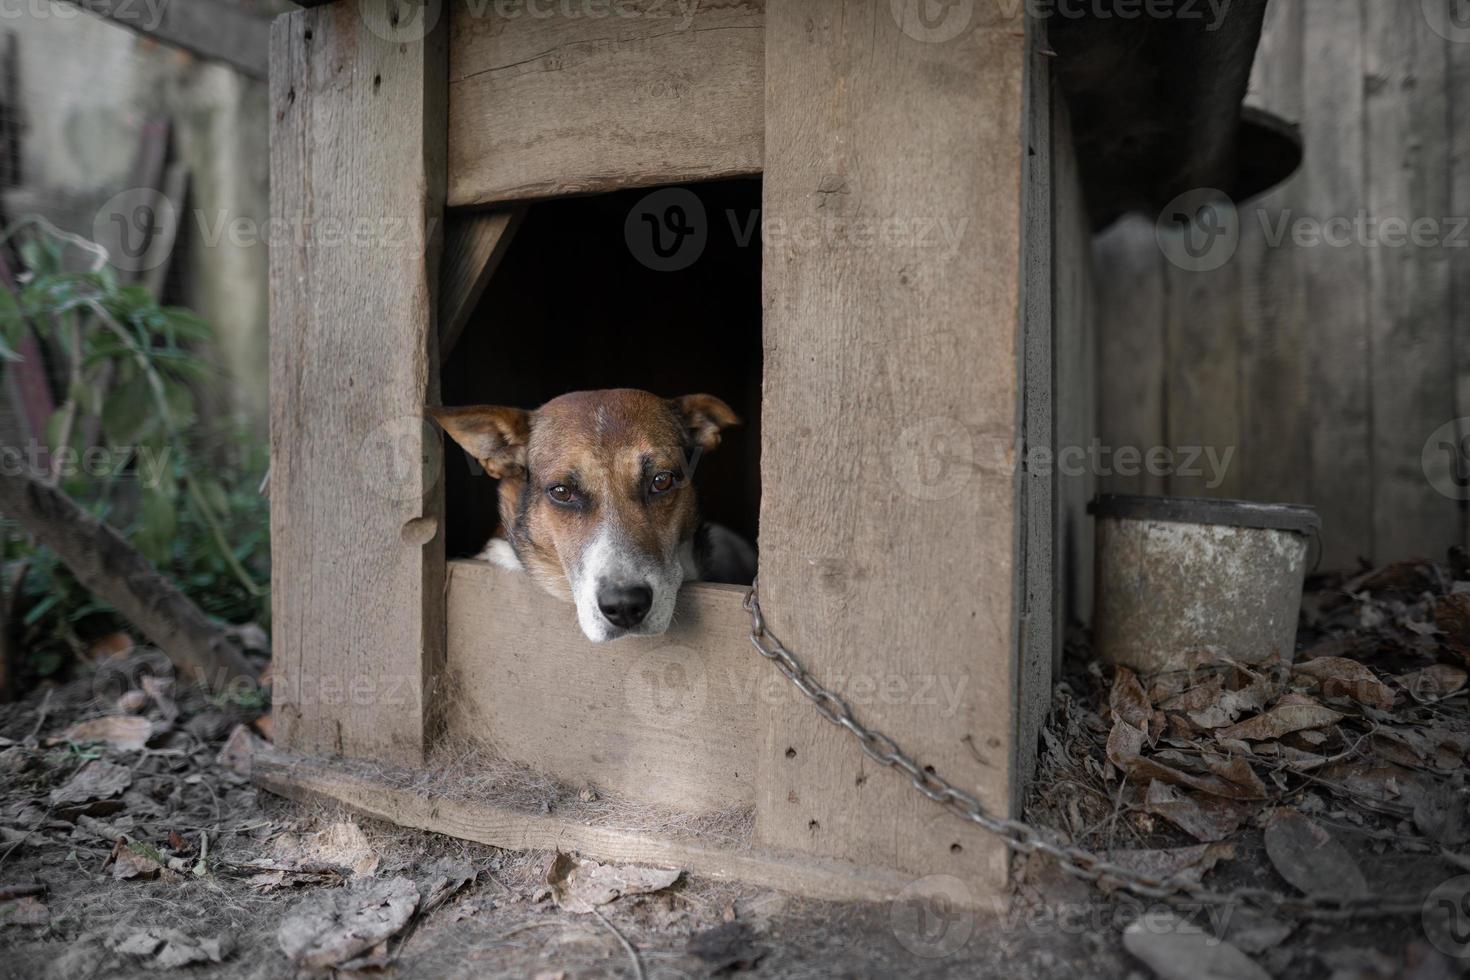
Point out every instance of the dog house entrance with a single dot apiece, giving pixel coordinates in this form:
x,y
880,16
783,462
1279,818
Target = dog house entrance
x,y
659,290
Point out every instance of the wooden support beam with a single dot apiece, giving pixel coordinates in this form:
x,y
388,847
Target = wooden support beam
x,y
212,29
357,176
892,274
651,93
381,797
474,244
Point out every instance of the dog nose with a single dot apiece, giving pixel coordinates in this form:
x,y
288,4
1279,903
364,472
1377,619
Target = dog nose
x,y
625,605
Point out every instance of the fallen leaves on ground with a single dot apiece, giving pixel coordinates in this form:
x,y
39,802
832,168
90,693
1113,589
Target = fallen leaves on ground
x,y
126,733
24,911
580,884
1185,864
97,780
727,947
332,928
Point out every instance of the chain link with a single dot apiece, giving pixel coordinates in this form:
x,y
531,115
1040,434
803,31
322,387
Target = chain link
x,y
1023,838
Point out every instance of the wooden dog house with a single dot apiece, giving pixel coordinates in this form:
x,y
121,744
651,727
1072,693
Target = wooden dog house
x,y
909,542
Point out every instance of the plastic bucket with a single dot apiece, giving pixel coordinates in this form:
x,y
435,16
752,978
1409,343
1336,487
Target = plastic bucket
x,y
1183,581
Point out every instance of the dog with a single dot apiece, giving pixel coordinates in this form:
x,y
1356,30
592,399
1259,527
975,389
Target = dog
x,y
596,501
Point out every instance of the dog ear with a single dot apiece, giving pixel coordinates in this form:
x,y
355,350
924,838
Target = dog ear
x,y
704,416
494,435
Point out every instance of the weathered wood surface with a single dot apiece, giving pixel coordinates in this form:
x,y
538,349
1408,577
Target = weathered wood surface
x,y
315,781
668,719
888,527
1323,355
357,175
474,244
651,93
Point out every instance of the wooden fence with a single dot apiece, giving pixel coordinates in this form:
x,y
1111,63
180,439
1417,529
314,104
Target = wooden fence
x,y
1335,341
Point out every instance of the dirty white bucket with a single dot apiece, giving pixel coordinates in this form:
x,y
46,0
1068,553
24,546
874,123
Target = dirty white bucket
x,y
1182,580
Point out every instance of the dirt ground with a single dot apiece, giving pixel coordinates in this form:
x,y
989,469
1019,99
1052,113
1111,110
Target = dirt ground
x,y
129,847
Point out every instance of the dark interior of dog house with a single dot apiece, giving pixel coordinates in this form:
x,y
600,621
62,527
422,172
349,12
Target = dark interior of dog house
x,y
603,315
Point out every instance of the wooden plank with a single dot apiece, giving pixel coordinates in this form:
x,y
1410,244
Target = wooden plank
x,y
1411,362
220,31
891,384
653,93
1132,318
1459,258
474,244
667,719
356,505
1335,279
1411,357
1275,348
313,781
1040,631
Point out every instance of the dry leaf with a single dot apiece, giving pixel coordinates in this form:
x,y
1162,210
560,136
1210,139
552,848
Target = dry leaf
x,y
1176,950
266,726
1339,677
1307,856
1208,819
1233,779
126,733
1293,712
1433,683
1129,703
168,949
1443,815
726,948
1183,863
160,690
135,860
579,884
341,845
330,927
97,780
1452,616
132,702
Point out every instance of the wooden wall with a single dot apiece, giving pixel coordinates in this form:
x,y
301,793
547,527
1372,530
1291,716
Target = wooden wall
x,y
1323,367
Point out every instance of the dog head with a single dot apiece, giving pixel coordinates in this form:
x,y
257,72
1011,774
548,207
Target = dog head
x,y
596,498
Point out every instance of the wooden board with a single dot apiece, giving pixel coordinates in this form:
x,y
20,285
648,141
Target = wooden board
x,y
667,719
652,93
1411,358
474,244
313,781
1275,347
357,556
889,421
1459,259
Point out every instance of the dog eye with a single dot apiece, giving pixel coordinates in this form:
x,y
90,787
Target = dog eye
x,y
661,483
561,493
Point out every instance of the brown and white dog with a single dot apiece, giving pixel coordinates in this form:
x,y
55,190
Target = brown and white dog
x,y
596,501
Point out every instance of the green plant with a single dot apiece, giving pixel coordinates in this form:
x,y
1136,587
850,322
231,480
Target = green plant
x,y
128,445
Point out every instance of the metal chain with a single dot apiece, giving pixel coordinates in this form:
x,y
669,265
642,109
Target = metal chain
x,y
1024,838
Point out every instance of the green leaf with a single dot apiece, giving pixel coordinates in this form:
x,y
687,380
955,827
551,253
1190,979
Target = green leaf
x,y
129,412
156,523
